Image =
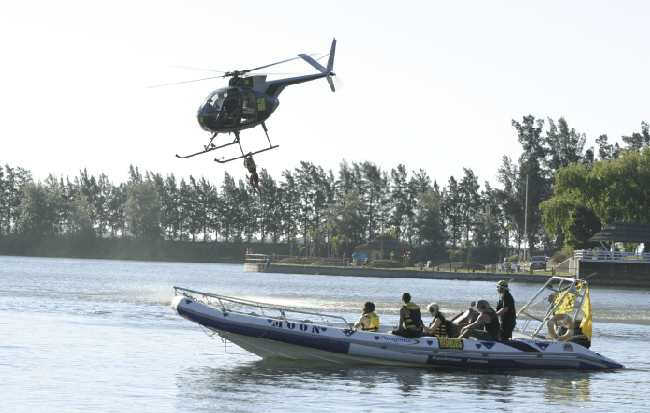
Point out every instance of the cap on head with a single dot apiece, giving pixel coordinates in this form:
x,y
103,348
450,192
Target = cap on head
x,y
369,307
482,305
406,297
433,308
502,284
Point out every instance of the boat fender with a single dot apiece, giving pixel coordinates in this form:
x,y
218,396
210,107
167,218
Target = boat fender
x,y
560,321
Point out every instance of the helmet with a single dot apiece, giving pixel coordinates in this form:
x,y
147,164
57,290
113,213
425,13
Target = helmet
x,y
369,306
503,284
433,308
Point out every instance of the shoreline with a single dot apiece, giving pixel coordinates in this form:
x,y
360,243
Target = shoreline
x,y
353,271
442,275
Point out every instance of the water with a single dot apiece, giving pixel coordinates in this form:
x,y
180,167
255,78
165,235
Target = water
x,y
94,335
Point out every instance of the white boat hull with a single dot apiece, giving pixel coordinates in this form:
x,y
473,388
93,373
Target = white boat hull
x,y
302,340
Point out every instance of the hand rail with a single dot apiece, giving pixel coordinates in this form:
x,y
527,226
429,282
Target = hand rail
x,y
224,299
603,255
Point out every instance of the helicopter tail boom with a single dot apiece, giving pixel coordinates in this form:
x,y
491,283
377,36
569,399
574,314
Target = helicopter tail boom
x,y
275,87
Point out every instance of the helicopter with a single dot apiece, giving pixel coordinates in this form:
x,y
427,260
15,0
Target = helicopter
x,y
248,101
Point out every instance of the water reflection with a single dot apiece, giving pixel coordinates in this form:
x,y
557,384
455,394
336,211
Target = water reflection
x,y
264,377
568,387
493,385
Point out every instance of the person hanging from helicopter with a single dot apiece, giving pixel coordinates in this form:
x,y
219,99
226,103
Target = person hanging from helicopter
x,y
253,178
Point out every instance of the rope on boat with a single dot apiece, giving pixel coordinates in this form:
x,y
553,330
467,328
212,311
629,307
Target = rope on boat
x,y
225,341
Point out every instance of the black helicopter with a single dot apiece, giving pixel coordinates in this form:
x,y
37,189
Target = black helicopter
x,y
248,101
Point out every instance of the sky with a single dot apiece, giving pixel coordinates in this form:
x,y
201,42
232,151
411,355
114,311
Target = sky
x,y
430,84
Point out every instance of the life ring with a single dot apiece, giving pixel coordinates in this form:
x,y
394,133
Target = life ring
x,y
560,321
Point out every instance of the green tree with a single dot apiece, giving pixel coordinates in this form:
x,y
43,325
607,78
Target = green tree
x,y
563,145
636,140
16,179
429,225
143,210
606,192
290,210
533,180
469,200
346,224
228,206
400,204
452,211
38,216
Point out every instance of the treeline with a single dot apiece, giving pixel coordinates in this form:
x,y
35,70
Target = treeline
x,y
328,213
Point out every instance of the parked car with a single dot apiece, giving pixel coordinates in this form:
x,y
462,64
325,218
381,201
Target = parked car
x,y
538,262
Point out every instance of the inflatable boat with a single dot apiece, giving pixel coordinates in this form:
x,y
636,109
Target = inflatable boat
x,y
277,331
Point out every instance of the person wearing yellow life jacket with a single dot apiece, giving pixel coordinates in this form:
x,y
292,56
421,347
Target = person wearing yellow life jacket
x,y
439,326
369,320
410,319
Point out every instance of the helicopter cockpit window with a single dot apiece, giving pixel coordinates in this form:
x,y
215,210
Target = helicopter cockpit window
x,y
215,100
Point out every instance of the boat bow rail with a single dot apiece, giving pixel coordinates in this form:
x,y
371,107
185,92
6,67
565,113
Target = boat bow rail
x,y
255,308
551,300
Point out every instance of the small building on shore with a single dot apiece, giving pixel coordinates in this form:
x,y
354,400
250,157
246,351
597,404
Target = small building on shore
x,y
379,250
630,268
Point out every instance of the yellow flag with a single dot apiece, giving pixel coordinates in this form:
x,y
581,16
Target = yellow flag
x,y
564,302
585,325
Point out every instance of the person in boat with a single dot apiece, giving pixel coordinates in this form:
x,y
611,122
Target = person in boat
x,y
466,317
410,319
486,326
253,178
439,326
506,310
369,320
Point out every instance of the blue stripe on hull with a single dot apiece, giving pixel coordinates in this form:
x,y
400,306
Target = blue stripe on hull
x,y
319,343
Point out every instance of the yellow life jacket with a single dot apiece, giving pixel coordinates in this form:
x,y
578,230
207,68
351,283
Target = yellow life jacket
x,y
412,317
441,329
370,322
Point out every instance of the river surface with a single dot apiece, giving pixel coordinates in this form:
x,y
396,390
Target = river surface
x,y
98,335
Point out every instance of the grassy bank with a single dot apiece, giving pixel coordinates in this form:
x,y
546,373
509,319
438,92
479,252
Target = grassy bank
x,y
131,249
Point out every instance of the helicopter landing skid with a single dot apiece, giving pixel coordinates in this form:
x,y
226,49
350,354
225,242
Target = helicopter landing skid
x,y
209,148
245,155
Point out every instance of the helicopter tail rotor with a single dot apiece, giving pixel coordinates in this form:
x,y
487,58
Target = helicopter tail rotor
x,y
329,70
330,62
330,65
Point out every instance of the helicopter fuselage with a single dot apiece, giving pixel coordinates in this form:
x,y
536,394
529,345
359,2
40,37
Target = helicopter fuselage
x,y
235,108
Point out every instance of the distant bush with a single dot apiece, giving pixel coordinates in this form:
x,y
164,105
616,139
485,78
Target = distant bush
x,y
560,256
385,264
512,258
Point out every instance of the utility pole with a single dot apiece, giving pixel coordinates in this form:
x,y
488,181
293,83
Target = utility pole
x,y
526,220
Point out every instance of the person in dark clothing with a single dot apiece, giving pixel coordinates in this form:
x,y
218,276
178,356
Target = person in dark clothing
x,y
486,326
506,310
410,319
253,178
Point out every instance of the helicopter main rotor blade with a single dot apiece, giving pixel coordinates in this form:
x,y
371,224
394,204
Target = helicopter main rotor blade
x,y
185,81
272,64
200,69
